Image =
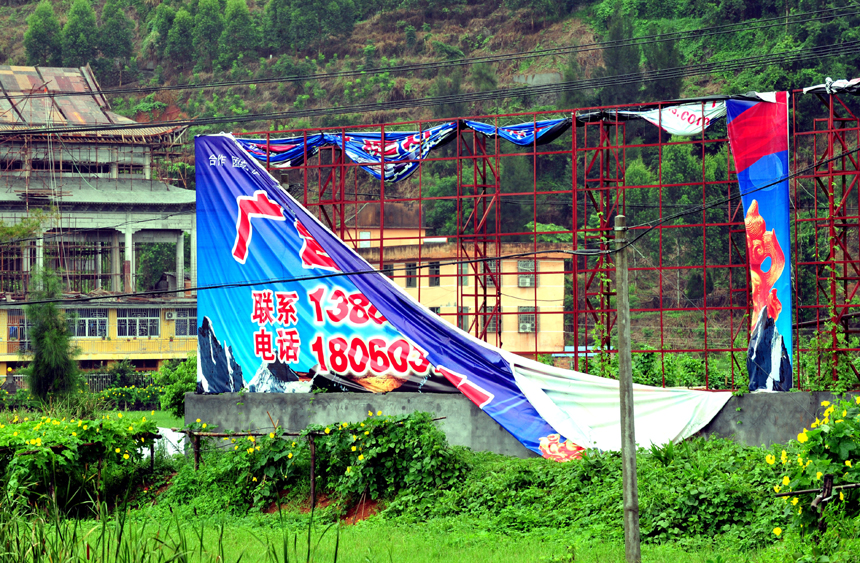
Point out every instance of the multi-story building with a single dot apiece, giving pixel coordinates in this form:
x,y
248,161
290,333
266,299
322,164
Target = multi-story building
x,y
95,204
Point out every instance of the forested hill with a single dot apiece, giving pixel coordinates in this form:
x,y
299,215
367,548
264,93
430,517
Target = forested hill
x,y
152,43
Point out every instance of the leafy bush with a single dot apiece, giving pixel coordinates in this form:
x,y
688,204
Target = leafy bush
x,y
47,455
131,397
175,382
830,447
122,373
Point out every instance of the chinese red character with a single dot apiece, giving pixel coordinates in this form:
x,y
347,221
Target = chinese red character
x,y
263,345
286,307
312,253
259,205
263,307
288,345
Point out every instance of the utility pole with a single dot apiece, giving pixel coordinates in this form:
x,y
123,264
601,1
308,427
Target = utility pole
x,y
625,387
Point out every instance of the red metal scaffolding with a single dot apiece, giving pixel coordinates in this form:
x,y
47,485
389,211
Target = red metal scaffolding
x,y
482,198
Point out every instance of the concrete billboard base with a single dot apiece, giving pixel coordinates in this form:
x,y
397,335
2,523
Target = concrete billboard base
x,y
464,423
753,419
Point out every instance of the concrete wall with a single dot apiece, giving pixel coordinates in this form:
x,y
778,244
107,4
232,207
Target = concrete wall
x,y
752,419
465,424
757,419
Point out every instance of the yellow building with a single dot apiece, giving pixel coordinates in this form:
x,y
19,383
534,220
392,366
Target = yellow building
x,y
146,335
516,303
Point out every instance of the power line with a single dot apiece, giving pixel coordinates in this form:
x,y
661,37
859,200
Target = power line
x,y
827,13
731,65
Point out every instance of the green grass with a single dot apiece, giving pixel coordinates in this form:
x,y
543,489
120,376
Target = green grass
x,y
162,419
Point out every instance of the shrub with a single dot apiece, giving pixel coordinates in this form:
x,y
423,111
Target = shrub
x,y
175,383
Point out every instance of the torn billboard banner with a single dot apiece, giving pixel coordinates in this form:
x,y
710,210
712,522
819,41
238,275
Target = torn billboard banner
x,y
758,134
288,307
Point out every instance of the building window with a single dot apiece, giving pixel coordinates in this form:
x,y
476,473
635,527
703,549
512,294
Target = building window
x,y
186,322
526,276
411,274
19,330
527,319
388,270
87,323
491,273
490,322
463,274
435,272
463,318
436,310
137,322
364,239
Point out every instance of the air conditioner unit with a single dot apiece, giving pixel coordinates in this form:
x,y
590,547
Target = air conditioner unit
x,y
526,327
170,315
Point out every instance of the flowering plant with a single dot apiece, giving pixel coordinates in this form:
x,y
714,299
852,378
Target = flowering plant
x,y
831,445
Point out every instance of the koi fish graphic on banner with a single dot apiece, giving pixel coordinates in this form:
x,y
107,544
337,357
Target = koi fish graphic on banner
x,y
292,309
758,133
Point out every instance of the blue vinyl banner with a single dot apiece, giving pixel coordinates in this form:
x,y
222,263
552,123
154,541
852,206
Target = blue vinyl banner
x,y
525,134
758,133
285,306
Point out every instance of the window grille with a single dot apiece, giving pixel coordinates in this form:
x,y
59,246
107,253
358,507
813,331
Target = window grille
x,y
491,273
87,323
492,323
411,274
435,273
526,277
186,322
132,323
527,319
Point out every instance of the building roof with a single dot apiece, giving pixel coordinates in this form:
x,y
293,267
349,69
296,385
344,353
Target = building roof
x,y
55,97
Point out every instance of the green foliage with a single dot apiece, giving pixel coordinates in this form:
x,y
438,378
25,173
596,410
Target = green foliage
x,y
239,37
42,38
53,368
121,373
208,25
175,383
662,55
621,61
179,47
831,446
550,232
44,454
131,397
447,51
116,32
80,35
277,25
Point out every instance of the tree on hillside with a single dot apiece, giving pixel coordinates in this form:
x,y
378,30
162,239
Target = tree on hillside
x,y
116,34
80,39
239,36
618,61
53,369
179,47
208,25
573,99
277,31
661,55
42,38
161,26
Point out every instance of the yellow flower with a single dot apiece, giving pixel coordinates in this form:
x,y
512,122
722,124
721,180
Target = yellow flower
x,y
124,456
141,440
290,455
271,434
841,496
131,428
328,430
794,501
75,434
770,459
152,413
198,420
348,468
204,425
825,403
251,438
366,432
844,413
818,475
802,437
799,509
85,426
360,456
777,531
144,419
254,479
117,450
857,399
784,457
354,438
119,415
848,462
235,447
776,488
786,480
378,413
294,444
369,413
250,450
257,448
354,448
